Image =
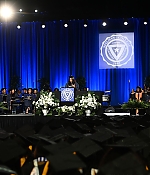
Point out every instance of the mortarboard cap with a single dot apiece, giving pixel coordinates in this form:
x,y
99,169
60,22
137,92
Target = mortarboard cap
x,y
45,130
6,170
10,150
4,135
65,162
54,123
101,137
133,142
82,127
61,147
86,147
73,134
125,164
25,130
71,76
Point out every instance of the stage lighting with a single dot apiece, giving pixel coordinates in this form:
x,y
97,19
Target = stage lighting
x,y
18,26
65,25
104,24
145,21
43,26
85,23
6,11
35,10
20,10
125,23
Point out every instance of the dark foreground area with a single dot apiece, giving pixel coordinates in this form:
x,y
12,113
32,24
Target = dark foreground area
x,y
112,145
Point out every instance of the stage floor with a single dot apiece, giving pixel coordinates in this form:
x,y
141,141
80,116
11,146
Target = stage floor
x,y
14,115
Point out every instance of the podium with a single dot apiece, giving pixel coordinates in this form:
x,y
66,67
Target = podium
x,y
77,93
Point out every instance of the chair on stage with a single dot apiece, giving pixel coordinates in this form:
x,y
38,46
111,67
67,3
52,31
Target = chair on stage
x,y
17,106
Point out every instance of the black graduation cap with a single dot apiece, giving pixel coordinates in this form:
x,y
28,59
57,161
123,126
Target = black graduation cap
x,y
45,130
54,123
65,162
101,137
82,127
4,135
70,132
128,163
86,147
145,134
61,147
25,130
71,76
133,142
6,170
54,135
9,150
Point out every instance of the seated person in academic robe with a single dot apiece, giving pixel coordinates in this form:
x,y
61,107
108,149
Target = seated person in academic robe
x,y
11,98
145,96
35,95
148,92
72,83
24,91
138,93
3,95
132,95
28,101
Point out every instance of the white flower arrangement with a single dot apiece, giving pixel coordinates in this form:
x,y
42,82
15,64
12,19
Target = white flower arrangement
x,y
47,104
69,110
46,101
87,102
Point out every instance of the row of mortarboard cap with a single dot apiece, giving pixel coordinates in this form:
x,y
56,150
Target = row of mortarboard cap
x,y
72,145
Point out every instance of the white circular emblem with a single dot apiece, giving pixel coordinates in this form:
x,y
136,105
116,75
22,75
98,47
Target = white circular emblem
x,y
116,50
67,94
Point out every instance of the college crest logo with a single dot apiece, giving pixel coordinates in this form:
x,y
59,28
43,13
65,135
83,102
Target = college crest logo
x,y
117,50
67,94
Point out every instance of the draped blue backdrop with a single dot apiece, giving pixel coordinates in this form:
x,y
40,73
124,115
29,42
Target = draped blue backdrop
x,y
57,52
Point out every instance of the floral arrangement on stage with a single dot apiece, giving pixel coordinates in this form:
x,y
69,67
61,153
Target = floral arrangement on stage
x,y
87,102
46,103
68,110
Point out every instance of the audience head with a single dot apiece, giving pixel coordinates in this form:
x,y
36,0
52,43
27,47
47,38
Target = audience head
x,y
12,91
132,91
71,79
25,90
3,90
56,89
138,89
35,91
29,90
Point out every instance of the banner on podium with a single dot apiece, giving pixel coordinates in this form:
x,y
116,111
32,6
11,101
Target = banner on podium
x,y
67,94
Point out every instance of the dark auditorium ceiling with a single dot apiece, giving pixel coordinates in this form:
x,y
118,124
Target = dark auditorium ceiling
x,y
81,9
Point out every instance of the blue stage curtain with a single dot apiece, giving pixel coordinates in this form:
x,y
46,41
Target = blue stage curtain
x,y
57,52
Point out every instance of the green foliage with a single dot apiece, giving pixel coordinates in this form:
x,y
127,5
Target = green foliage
x,y
44,84
3,106
15,82
147,81
135,105
82,82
